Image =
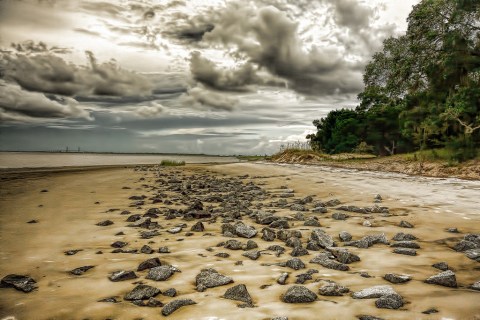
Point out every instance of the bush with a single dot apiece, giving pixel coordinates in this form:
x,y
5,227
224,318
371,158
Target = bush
x,y
172,163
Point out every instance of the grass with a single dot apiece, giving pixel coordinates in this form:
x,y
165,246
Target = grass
x,y
172,163
302,154
254,158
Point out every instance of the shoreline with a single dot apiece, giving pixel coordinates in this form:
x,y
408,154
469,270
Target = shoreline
x,y
76,200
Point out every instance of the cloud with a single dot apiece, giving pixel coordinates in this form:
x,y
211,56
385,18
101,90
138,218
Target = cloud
x,y
49,73
199,97
24,106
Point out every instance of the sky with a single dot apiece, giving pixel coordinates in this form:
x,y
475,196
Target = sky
x,y
174,76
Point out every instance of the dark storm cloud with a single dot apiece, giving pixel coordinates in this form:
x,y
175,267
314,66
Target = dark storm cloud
x,y
17,105
51,74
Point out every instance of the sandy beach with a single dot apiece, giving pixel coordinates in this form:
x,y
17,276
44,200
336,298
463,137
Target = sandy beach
x,y
67,205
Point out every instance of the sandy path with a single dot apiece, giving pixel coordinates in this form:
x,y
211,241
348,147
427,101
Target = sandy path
x,y
69,212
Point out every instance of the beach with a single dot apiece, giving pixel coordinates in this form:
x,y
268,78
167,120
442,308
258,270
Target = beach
x,y
64,207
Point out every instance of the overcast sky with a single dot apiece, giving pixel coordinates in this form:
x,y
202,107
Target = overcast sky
x,y
215,77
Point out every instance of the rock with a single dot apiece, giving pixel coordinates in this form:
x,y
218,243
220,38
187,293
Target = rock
x,y
302,278
161,273
475,286
405,244
340,216
299,251
122,276
154,303
390,301
279,224
170,292
373,292
119,244
332,203
285,234
369,241
404,237
405,251
18,282
280,318
313,246
233,245
174,305
146,249
239,293
295,264
163,250
430,311
283,278
149,234
245,231
175,230
405,224
254,254
222,255
198,227
32,221
148,264
333,289
397,278
72,252
141,223
142,292
265,218
343,255
324,260
366,223
446,279
465,245
473,254
81,270
299,294
322,238
268,234
366,317
320,210
134,217
293,242
441,266
251,245
312,223
109,299
377,197
105,223
452,230
210,278
298,207
345,236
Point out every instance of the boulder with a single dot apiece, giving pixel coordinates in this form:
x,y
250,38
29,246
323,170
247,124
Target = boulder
x,y
322,238
268,234
122,275
397,278
81,270
239,293
299,294
345,236
253,254
405,251
174,305
161,273
373,292
18,282
197,227
390,301
446,279
210,278
333,289
405,224
295,264
142,292
404,237
441,266
148,264
325,259
283,278
405,244
245,231
473,254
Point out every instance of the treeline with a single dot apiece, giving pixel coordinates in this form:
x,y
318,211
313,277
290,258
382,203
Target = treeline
x,y
422,91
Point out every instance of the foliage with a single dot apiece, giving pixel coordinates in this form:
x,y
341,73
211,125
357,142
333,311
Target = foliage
x,y
422,91
172,163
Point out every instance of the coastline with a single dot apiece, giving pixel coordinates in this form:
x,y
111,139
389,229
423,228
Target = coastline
x,y
69,212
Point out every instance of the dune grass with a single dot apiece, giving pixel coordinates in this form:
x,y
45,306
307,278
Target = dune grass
x,y
172,163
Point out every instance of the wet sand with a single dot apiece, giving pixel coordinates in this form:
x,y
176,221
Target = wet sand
x,y
77,200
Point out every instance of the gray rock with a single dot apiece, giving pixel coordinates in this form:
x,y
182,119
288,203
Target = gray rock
x,y
210,278
222,255
404,237
265,218
142,292
245,231
293,242
320,210
397,278
405,224
147,249
268,234
163,250
253,255
18,282
473,254
285,234
343,255
302,278
233,245
283,278
446,279
174,305
366,317
333,289
430,311
299,294
148,264
122,276
280,318
322,238
312,223
198,227
299,251
174,230
405,251
118,244
105,223
369,241
81,270
239,293
475,286
251,245
373,292
109,299
161,273
441,266
298,207
313,246
324,259
345,236
405,244
170,292
389,301
153,303
279,224
340,216
452,230
295,264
